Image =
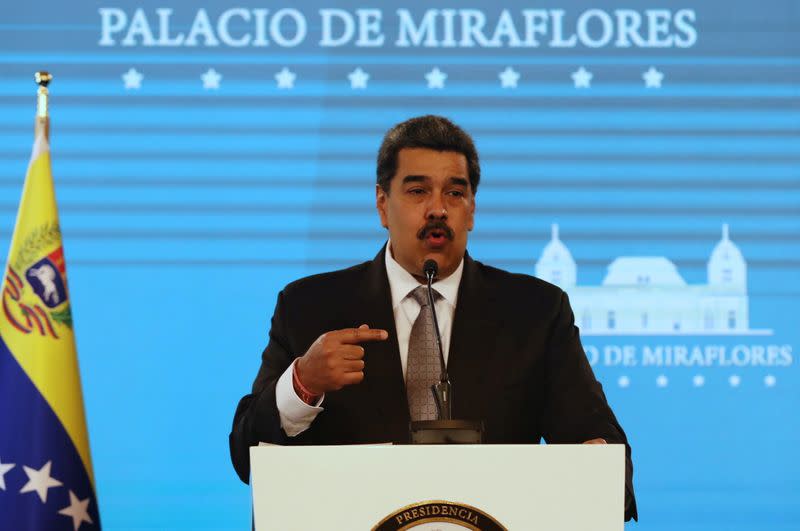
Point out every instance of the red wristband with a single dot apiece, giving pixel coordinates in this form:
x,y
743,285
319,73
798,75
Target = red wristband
x,y
305,395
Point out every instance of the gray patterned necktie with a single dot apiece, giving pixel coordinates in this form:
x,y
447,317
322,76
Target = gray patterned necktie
x,y
423,368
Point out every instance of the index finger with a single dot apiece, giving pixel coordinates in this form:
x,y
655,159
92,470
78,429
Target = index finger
x,y
599,440
353,336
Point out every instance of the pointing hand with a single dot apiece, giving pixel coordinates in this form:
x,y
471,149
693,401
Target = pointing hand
x,y
336,359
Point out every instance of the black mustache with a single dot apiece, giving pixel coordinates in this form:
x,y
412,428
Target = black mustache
x,y
435,225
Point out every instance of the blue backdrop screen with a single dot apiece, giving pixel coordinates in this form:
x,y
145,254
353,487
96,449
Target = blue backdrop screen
x,y
644,156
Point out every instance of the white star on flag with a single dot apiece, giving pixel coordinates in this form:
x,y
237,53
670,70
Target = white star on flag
x,y
582,78
40,481
734,380
508,78
624,381
78,510
652,78
662,381
436,78
769,381
698,380
4,468
132,79
285,78
358,79
211,79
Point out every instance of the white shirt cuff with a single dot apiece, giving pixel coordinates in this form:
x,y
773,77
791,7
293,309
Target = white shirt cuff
x,y
296,415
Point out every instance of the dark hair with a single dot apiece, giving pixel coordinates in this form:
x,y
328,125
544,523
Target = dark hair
x,y
431,132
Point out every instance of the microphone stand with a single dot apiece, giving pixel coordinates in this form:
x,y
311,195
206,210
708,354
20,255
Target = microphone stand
x,y
442,391
444,430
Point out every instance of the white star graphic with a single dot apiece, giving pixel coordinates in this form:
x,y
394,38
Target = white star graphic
x,y
4,468
285,78
769,381
582,78
624,381
436,78
699,380
39,481
132,79
734,380
211,79
358,79
652,78
508,78
662,381
78,510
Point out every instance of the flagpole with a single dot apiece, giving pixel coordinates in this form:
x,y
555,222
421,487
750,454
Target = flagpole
x,y
42,125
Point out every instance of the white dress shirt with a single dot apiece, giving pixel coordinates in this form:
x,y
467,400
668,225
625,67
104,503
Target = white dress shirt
x,y
296,416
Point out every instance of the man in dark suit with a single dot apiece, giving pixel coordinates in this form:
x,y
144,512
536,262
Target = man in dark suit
x,y
338,366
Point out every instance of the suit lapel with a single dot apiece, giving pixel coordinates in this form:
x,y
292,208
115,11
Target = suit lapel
x,y
383,373
472,343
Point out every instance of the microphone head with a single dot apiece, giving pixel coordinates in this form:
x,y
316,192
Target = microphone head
x,y
431,268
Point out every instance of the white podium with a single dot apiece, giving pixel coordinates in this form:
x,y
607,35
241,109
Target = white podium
x,y
439,487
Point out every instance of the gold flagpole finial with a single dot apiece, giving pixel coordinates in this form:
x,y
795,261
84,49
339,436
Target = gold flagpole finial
x,y
42,125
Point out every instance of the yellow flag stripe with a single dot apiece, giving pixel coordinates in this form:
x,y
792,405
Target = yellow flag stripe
x,y
40,335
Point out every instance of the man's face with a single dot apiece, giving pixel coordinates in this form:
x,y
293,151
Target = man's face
x,y
429,209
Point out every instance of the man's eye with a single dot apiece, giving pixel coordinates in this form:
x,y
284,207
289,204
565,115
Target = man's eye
x,y
416,191
456,193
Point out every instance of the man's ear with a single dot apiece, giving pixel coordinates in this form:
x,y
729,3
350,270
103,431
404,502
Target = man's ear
x,y
381,200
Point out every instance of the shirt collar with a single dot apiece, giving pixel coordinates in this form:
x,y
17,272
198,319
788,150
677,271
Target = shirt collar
x,y
401,282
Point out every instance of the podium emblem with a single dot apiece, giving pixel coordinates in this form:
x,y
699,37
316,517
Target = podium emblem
x,y
439,515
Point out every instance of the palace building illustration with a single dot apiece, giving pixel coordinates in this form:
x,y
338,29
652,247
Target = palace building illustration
x,y
646,295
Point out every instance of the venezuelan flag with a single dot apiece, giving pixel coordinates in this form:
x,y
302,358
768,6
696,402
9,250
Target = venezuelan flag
x,y
46,479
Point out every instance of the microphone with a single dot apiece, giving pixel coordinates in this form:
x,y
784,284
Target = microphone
x,y
444,430
442,391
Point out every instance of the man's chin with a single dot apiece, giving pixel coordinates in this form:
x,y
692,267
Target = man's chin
x,y
445,260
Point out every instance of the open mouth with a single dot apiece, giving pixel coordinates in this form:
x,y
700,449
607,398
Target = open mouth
x,y
435,234
436,238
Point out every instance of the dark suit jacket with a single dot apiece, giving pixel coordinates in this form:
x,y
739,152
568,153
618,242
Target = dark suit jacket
x,y
515,362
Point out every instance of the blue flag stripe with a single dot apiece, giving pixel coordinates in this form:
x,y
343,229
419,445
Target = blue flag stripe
x,y
31,435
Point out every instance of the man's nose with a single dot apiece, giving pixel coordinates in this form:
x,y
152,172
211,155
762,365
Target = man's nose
x,y
436,208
